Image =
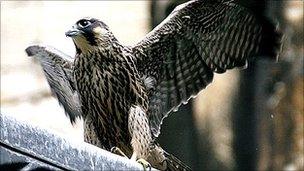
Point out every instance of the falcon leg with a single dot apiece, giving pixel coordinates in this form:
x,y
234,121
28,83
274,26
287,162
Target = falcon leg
x,y
145,164
141,161
134,156
141,136
118,151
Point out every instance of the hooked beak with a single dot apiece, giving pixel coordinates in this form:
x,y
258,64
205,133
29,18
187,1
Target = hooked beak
x,y
72,32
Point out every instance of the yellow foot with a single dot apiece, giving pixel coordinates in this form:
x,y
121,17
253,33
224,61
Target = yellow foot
x,y
145,164
118,151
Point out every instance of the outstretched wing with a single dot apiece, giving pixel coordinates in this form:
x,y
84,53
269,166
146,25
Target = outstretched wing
x,y
57,68
198,38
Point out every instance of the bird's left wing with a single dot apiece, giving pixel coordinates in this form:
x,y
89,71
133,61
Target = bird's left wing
x,y
57,68
198,38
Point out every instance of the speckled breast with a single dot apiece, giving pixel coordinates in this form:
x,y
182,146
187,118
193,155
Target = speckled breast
x,y
103,88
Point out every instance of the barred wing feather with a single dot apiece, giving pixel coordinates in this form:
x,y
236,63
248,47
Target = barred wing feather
x,y
57,68
198,38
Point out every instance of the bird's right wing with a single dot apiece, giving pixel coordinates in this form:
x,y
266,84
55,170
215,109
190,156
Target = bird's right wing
x,y
198,38
57,68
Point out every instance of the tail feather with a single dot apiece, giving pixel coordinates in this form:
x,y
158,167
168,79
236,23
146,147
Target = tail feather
x,y
174,164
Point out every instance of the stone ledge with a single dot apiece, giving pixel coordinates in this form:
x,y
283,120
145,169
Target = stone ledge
x,y
33,147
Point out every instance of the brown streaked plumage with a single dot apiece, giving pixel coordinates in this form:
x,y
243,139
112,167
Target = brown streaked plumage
x,y
123,93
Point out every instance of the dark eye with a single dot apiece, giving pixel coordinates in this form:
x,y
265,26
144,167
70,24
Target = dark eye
x,y
83,23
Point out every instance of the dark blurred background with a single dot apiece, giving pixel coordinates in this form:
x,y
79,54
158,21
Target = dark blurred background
x,y
258,123
245,120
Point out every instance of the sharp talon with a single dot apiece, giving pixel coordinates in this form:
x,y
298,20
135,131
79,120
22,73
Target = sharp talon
x,y
113,149
118,151
145,164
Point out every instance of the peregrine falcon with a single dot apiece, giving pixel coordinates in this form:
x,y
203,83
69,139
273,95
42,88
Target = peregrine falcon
x,y
123,93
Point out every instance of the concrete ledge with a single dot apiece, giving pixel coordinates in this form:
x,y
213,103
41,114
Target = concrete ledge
x,y
32,147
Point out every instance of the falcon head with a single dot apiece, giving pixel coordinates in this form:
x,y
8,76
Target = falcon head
x,y
89,34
